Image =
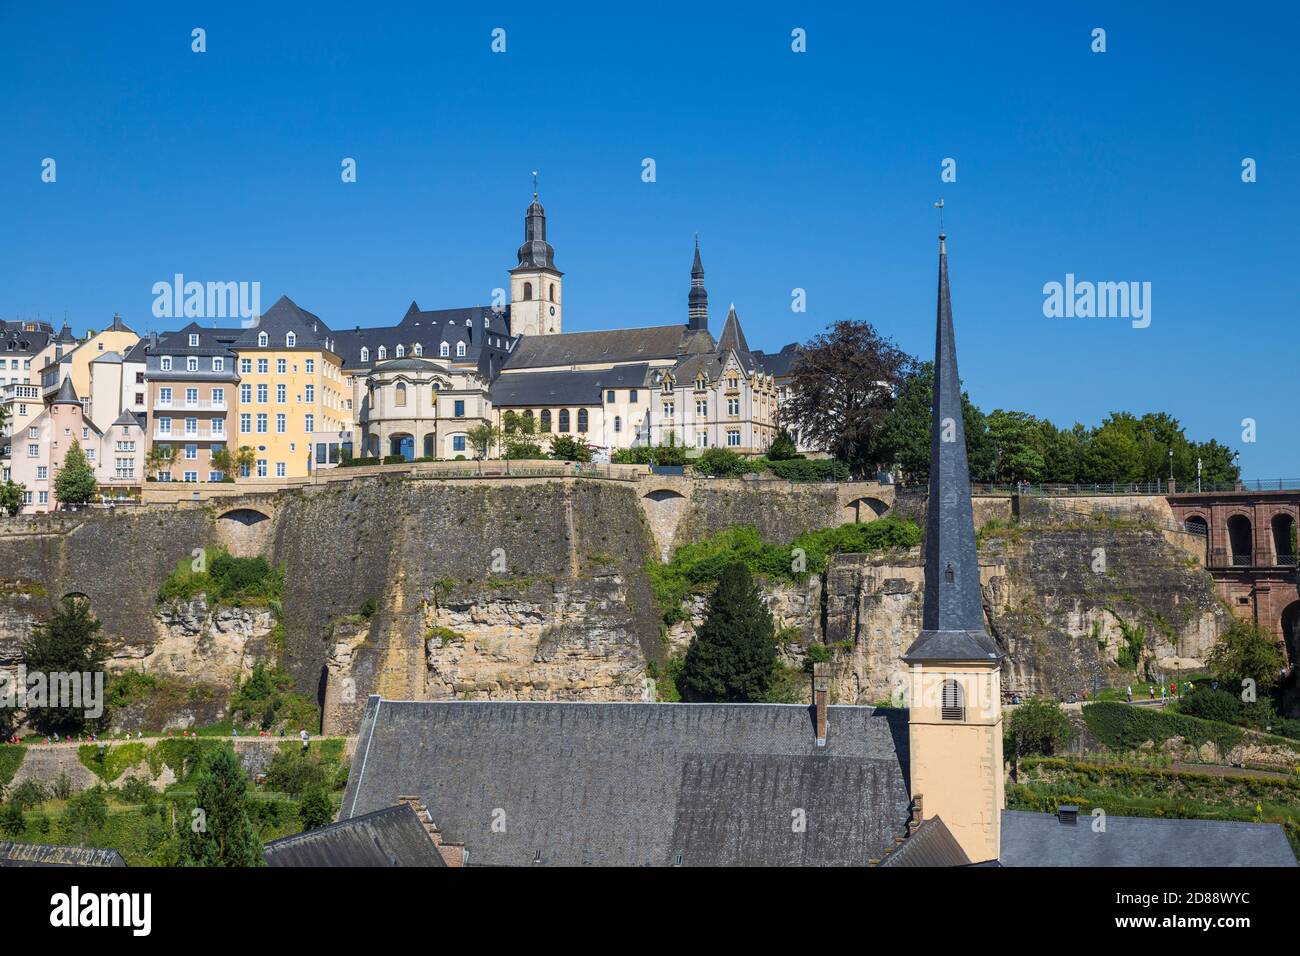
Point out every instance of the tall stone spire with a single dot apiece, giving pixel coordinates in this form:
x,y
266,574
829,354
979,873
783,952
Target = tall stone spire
x,y
697,302
953,620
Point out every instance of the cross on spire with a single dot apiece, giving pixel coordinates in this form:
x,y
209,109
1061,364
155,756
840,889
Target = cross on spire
x,y
939,206
534,184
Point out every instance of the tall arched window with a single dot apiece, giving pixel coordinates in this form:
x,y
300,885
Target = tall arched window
x,y
953,705
546,420
582,420
401,394
564,420
460,349
528,291
552,291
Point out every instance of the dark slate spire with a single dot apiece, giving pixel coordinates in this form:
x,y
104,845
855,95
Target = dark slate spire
x,y
536,252
733,336
67,395
953,620
697,304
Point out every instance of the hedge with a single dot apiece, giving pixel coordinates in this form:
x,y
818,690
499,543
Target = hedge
x,y
1124,727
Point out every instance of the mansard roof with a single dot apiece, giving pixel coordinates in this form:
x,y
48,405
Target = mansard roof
x,y
608,345
633,784
484,330
526,389
778,364
285,316
394,836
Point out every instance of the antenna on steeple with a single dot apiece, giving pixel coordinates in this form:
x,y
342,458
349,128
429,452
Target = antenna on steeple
x,y
534,184
939,206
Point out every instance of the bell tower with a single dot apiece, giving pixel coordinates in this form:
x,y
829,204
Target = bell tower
x,y
536,286
955,711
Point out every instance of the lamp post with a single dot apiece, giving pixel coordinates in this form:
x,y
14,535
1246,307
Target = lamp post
x,y
1198,476
1171,463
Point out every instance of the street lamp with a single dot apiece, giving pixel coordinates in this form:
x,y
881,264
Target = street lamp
x,y
1198,476
1171,463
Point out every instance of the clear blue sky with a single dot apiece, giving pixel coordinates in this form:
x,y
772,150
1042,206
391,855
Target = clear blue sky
x,y
815,171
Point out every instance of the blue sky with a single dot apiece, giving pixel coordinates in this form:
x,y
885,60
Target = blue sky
x,y
814,171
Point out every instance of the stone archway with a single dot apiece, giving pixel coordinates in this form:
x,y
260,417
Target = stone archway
x,y
1283,529
245,532
864,509
664,508
401,443
1198,525
1241,539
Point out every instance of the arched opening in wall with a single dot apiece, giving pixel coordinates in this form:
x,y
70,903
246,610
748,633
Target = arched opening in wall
x,y
1284,538
244,516
953,704
863,510
1291,632
245,532
1199,526
430,446
528,291
75,596
402,444
1242,540
664,509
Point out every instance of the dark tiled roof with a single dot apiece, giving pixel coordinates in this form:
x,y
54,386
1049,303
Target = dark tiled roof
x,y
733,336
390,837
67,395
611,345
639,784
278,321
779,364
41,854
565,388
1040,839
430,329
931,845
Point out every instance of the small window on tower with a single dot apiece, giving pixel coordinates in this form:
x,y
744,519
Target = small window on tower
x,y
953,705
552,291
528,291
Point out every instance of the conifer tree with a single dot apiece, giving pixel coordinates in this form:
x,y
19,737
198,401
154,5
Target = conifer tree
x,y
68,643
733,656
75,483
221,834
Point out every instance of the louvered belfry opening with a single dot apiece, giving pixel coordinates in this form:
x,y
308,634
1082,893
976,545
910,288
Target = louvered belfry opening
x,y
953,704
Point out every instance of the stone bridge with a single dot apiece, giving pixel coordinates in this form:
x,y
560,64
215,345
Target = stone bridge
x,y
1250,550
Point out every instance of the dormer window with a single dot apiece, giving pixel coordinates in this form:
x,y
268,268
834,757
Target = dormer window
x,y
290,340
365,354
953,704
418,349
444,349
460,349
400,351
192,363
194,340
262,340
383,352
165,363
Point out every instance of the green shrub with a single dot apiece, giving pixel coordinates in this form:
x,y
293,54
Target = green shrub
x,y
316,809
294,772
267,699
816,653
28,794
651,455
11,819
721,463
1210,704
1039,727
108,762
806,469
1123,727
226,579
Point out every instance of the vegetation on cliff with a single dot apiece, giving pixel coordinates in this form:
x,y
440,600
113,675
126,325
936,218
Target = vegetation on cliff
x,y
266,698
225,579
70,643
696,567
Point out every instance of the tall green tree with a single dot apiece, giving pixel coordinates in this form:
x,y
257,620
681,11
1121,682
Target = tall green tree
x,y
68,643
733,655
905,435
221,834
1246,652
1016,441
75,483
11,497
842,390
568,448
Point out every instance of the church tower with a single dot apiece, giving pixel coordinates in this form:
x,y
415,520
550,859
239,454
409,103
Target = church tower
x,y
955,716
697,303
535,283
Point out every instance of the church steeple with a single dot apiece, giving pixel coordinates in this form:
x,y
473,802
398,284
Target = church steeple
x,y
535,283
697,303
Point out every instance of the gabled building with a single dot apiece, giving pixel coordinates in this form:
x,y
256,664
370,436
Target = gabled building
x,y
190,380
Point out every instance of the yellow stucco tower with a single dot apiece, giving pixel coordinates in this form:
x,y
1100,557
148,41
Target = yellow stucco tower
x,y
955,716
536,286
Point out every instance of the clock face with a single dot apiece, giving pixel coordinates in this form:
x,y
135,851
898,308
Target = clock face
x,y
552,310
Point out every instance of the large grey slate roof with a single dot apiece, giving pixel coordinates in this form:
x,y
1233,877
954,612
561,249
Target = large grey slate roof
x,y
778,364
42,854
283,317
1040,839
639,784
393,836
566,388
610,345
485,332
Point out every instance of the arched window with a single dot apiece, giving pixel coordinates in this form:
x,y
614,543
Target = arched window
x,y
953,705
383,353
365,354
582,420
419,350
552,291
460,349
528,414
400,351
401,394
528,291
444,349
546,420
564,421
262,339
290,340
618,424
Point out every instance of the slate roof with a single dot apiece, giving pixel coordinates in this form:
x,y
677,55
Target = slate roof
x,y
566,388
610,345
16,338
67,395
129,417
931,845
952,621
486,336
778,364
285,316
393,836
635,784
41,854
733,336
1040,839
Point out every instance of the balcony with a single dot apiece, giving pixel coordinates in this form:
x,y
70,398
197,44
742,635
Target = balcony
x,y
200,405
181,437
14,392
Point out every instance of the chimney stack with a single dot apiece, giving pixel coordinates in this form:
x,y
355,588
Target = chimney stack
x,y
918,814
453,854
821,698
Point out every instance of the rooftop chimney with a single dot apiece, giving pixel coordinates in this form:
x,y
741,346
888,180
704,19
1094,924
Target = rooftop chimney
x,y
821,699
918,814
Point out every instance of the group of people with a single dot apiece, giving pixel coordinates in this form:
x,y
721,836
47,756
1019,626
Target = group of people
x,y
1172,691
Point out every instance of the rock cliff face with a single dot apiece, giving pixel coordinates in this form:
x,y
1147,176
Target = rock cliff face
x,y
501,588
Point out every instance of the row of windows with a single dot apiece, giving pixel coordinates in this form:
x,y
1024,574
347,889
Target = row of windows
x,y
281,423
528,291
281,366
281,394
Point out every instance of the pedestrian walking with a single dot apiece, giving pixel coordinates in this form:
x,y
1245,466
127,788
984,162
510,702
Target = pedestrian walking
x,y
1130,693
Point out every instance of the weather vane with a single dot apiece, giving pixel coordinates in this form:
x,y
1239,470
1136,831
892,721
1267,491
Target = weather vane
x,y
534,184
939,206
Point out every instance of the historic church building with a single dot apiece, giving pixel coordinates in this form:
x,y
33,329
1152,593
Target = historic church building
x,y
418,388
